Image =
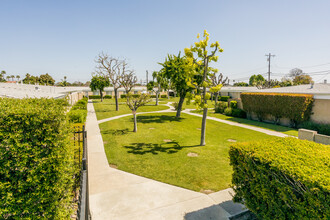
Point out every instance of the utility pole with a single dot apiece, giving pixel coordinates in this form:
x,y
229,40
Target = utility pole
x,y
268,59
147,77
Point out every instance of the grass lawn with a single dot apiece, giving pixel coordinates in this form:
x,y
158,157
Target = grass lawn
x,y
160,147
107,108
269,126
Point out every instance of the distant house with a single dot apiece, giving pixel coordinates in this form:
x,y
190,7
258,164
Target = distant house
x,y
321,94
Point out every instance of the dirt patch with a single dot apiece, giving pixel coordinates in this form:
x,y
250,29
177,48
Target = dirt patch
x,y
191,154
151,128
105,142
113,166
167,140
207,191
199,129
232,140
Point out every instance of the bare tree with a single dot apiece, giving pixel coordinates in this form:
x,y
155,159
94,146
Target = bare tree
x,y
128,80
217,81
111,67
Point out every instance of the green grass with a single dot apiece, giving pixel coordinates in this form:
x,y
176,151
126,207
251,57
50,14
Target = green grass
x,y
107,108
269,126
159,149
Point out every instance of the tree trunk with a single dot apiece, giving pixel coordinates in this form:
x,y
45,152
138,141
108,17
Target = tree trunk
x,y
135,122
216,97
101,94
203,127
178,111
168,94
116,98
157,94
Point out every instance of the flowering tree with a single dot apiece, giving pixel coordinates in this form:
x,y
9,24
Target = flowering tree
x,y
200,59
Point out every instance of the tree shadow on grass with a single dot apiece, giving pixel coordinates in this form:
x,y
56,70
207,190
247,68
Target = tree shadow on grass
x,y
116,132
144,148
145,119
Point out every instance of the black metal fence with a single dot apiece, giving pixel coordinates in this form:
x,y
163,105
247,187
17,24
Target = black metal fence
x,y
80,137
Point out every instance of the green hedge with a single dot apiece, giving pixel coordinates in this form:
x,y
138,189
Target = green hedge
x,y
233,104
228,111
224,98
238,113
153,96
282,178
36,159
163,96
78,112
220,107
296,107
320,128
123,96
99,97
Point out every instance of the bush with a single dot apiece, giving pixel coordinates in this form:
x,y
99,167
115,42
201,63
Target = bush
x,y
152,96
296,107
233,104
136,95
123,96
175,105
239,113
228,111
99,97
36,159
224,98
81,104
320,128
282,178
77,115
220,107
163,96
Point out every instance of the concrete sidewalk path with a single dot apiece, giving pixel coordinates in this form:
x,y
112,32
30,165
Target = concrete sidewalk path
x,y
115,194
262,130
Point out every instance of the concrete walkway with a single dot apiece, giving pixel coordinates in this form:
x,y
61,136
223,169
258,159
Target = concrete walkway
x,y
115,194
262,130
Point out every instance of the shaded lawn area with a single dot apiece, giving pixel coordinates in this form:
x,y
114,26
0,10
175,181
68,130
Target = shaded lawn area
x,y
269,126
159,149
107,108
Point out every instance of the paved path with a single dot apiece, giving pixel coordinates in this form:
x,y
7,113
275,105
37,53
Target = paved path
x,y
115,194
262,130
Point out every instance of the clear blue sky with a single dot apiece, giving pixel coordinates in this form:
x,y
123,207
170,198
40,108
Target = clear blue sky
x,y
62,38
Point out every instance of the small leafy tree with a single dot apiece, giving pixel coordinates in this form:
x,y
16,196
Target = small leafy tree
x,y
2,76
204,71
99,83
135,103
157,86
256,80
177,70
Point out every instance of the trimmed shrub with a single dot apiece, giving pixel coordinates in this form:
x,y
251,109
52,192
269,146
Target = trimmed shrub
x,y
282,178
123,96
233,104
175,105
224,98
153,96
228,111
99,97
239,113
136,95
320,128
81,104
163,96
36,159
296,107
77,115
220,107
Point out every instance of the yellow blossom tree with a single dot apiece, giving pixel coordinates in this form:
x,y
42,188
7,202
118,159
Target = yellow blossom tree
x,y
200,80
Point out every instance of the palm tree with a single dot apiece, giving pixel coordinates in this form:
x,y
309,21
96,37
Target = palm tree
x,y
8,77
18,77
12,77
